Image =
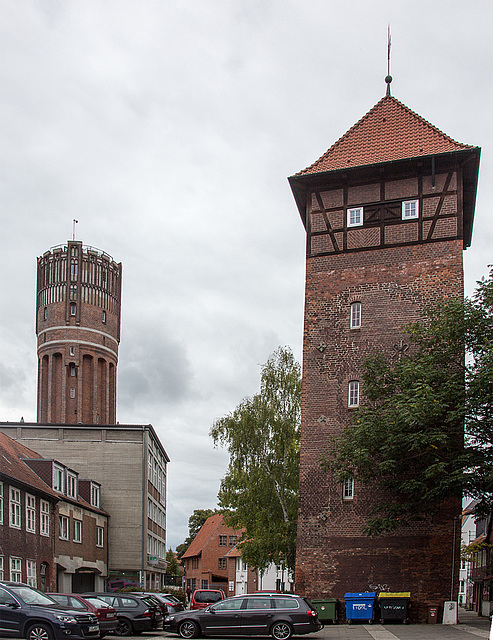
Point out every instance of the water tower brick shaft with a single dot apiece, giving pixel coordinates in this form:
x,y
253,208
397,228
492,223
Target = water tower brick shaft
x,y
78,307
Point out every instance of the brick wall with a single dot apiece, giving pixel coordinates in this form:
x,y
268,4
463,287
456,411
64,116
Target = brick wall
x,y
333,557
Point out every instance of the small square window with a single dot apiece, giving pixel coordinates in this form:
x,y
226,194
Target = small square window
x,y
410,209
353,396
355,217
223,541
72,392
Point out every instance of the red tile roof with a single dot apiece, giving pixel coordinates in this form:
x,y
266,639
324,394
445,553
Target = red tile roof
x,y
389,131
12,466
212,525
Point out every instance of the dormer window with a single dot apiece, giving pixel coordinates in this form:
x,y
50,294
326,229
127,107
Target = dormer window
x,y
95,495
355,217
71,484
58,478
410,209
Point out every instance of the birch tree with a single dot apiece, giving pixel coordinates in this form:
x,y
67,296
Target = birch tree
x,y
259,492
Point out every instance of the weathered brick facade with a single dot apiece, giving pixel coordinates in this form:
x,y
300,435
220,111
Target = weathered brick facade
x,y
78,329
393,266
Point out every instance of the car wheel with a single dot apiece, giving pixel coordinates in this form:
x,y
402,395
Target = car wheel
x,y
188,629
124,628
281,631
39,631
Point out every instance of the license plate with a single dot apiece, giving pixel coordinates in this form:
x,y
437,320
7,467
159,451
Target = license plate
x,y
93,629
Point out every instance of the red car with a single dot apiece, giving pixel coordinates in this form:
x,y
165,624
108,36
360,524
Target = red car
x,y
202,598
105,614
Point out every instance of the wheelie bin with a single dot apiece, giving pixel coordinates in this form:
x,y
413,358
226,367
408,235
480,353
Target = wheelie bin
x,y
394,606
327,609
360,606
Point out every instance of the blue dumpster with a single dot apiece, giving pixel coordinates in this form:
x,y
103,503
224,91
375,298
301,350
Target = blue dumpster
x,y
360,606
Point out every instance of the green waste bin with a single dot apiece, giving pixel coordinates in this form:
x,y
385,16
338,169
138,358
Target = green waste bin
x,y
327,609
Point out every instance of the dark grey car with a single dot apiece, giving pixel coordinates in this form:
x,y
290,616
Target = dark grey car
x,y
134,613
277,615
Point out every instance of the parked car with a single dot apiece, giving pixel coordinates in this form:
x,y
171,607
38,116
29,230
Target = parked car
x,y
201,598
277,615
134,613
28,613
168,602
105,614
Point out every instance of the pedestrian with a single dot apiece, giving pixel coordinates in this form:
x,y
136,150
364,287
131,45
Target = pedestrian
x,y
189,593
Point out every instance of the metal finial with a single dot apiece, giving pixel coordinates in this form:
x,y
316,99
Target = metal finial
x,y
74,222
388,78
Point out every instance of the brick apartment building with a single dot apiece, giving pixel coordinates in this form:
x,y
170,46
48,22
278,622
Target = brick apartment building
x,y
388,210
53,531
130,464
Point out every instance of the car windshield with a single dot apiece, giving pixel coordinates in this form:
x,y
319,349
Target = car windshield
x,y
32,596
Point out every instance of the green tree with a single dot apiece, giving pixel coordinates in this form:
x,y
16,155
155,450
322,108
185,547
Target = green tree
x,y
195,522
260,490
408,437
172,567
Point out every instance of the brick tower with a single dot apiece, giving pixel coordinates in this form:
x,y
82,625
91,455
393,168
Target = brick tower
x,y
388,210
78,331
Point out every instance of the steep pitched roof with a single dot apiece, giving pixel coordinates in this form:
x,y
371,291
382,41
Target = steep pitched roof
x,y
12,465
204,534
389,131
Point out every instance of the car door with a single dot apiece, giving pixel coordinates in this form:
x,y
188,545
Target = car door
x,y
10,615
222,618
257,615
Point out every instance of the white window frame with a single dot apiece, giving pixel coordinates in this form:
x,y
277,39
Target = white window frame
x,y
71,484
95,495
1,502
355,217
355,315
72,351
31,577
30,513
2,575
353,393
63,527
348,489
15,508
15,569
77,531
410,209
72,392
58,478
44,523
99,536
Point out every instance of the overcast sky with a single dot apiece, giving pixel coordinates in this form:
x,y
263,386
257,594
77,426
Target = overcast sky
x,y
168,129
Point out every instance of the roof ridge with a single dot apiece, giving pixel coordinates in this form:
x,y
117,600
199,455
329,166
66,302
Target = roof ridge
x,y
356,139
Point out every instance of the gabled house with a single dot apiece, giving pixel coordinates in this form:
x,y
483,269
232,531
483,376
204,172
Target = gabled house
x,y
205,561
52,537
213,560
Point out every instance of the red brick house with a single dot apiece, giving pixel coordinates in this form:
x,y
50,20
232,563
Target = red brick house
x,y
28,526
54,533
388,210
206,561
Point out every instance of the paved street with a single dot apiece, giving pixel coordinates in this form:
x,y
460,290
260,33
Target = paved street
x,y
470,627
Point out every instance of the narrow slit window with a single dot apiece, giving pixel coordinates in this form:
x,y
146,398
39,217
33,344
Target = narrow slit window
x,y
348,489
353,396
355,322
73,309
